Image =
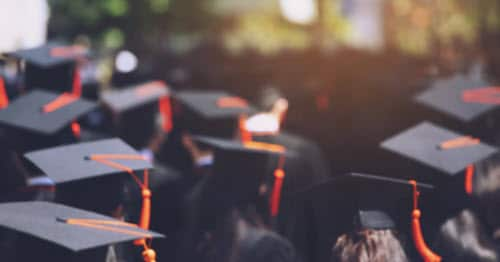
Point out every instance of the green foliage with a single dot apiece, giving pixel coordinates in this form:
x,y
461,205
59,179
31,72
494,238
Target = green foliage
x,y
159,6
113,38
115,8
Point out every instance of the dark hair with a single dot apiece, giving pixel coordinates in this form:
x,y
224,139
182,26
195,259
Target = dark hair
x,y
463,238
267,97
486,189
369,245
487,176
102,195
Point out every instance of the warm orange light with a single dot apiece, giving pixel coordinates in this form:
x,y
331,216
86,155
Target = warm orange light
x,y
264,146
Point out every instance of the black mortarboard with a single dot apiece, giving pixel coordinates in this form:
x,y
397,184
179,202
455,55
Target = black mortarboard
x,y
90,175
211,113
237,172
353,202
441,157
439,148
134,111
54,223
73,162
34,116
452,97
50,66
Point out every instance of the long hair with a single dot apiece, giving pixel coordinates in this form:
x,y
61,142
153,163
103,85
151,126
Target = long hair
x,y
464,238
486,189
369,246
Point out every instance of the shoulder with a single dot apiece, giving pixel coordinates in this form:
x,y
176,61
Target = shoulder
x,y
263,245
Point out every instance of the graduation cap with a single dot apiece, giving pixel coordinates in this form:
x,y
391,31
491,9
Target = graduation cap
x,y
240,168
134,110
462,97
355,202
39,117
83,163
211,113
74,229
439,148
83,160
52,66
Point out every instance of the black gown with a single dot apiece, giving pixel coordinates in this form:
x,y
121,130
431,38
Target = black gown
x,y
305,165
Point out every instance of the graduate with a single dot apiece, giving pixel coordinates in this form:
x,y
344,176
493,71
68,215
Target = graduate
x,y
362,217
33,121
304,166
464,208
142,116
228,209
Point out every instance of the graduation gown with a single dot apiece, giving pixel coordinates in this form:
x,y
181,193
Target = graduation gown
x,y
305,165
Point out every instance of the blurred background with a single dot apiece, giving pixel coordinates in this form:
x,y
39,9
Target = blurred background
x,y
348,67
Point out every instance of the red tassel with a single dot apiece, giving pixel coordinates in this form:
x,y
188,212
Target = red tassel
x,y
165,109
77,83
4,99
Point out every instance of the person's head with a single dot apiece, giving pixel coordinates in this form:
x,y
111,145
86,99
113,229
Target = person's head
x,y
369,245
104,195
463,238
486,189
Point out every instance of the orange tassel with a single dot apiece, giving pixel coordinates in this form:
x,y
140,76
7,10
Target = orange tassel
x,y
245,135
75,128
279,176
165,109
4,99
61,101
422,248
232,102
459,142
485,95
145,217
469,175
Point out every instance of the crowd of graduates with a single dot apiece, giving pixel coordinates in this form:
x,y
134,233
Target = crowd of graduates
x,y
168,171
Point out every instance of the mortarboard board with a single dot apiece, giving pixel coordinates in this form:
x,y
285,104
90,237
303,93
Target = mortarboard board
x,y
72,162
73,229
41,114
50,66
137,106
48,221
439,148
353,202
461,97
211,113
